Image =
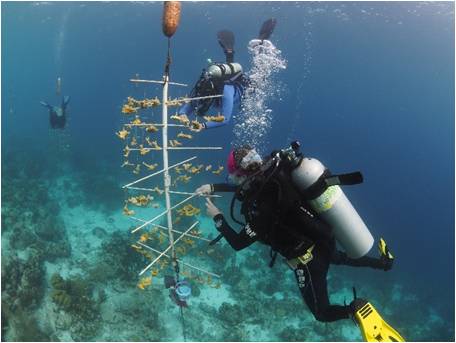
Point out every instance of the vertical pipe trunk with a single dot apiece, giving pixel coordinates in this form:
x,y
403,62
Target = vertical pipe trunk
x,y
167,177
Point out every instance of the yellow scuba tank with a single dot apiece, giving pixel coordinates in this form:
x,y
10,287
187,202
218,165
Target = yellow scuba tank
x,y
223,71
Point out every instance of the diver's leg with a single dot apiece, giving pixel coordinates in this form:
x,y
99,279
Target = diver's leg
x,y
65,102
312,283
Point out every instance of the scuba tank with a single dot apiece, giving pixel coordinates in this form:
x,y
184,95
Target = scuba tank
x,y
211,82
322,191
223,71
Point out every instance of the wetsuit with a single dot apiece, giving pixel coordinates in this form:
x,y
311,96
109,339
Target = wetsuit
x,y
291,231
232,94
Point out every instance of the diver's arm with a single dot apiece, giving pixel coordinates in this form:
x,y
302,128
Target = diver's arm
x,y
45,104
223,187
227,107
216,187
238,241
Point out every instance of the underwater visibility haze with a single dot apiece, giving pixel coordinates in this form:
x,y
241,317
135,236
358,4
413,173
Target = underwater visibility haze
x,y
365,86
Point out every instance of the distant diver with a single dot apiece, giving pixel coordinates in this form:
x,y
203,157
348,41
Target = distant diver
x,y
295,205
227,79
57,115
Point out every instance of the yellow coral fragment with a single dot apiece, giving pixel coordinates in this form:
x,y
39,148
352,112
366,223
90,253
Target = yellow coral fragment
x,y
137,121
128,212
183,119
150,166
154,272
218,171
126,163
184,135
158,190
209,167
126,151
151,128
137,169
155,145
155,205
144,282
145,103
143,150
144,237
127,109
218,119
140,200
187,166
133,141
175,102
122,134
188,210
196,170
178,170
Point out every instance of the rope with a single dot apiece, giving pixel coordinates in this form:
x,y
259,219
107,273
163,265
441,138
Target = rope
x,y
168,58
183,323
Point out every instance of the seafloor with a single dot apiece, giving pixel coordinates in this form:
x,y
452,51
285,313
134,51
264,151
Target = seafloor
x,y
69,273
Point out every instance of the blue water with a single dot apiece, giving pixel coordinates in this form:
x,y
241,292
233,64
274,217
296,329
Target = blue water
x,y
368,86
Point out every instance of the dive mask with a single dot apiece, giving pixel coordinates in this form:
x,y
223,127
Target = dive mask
x,y
251,161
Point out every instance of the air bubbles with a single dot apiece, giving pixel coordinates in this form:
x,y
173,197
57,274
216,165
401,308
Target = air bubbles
x,y
254,121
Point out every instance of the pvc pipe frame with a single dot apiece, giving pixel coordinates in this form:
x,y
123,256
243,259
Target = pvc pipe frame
x,y
167,178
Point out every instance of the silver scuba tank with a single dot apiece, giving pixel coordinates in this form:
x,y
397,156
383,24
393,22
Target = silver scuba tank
x,y
223,70
335,208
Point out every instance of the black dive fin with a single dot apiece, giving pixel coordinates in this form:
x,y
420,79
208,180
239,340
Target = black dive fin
x,y
226,40
267,28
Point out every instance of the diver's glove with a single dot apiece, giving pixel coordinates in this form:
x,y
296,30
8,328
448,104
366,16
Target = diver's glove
x,y
385,255
205,189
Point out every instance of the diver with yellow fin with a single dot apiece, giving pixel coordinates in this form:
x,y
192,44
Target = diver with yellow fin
x,y
295,205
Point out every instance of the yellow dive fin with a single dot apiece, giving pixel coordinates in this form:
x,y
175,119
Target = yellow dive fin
x,y
372,325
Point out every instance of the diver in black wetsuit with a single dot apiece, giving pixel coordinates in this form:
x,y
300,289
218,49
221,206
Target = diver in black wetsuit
x,y
57,115
276,215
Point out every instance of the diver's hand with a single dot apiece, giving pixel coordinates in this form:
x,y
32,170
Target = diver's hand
x,y
204,189
211,210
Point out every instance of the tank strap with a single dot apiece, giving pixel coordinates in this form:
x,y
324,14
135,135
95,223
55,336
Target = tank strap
x,y
327,180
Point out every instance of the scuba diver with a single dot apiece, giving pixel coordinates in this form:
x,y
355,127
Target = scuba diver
x,y
226,79
57,115
280,201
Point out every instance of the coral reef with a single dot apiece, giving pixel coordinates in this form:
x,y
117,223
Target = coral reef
x,y
22,326
230,315
100,190
117,260
74,296
292,334
22,281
